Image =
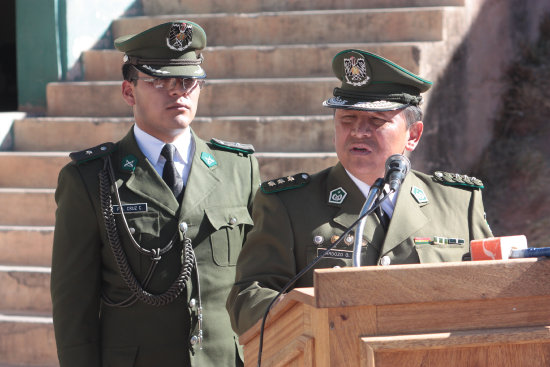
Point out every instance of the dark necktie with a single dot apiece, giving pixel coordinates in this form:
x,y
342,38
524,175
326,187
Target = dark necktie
x,y
169,174
383,217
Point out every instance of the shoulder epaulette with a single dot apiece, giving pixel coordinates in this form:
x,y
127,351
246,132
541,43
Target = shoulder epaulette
x,y
232,146
455,179
285,183
92,153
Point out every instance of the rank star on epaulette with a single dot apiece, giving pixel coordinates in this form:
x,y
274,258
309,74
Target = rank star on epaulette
x,y
285,183
233,146
92,153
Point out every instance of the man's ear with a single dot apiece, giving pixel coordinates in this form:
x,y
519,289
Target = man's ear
x,y
128,92
414,134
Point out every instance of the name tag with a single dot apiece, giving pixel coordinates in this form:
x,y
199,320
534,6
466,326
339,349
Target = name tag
x,y
336,254
131,208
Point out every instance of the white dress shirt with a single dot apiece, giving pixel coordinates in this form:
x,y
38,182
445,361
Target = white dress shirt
x,y
151,148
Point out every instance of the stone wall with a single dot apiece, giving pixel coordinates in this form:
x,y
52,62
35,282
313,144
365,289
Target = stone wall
x,y
463,104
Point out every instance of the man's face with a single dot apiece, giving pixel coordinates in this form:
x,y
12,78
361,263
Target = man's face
x,y
162,113
364,140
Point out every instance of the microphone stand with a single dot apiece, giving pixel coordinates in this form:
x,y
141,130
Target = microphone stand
x,y
373,194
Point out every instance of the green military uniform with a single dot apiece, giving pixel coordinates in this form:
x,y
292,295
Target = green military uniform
x,y
293,226
297,217
110,307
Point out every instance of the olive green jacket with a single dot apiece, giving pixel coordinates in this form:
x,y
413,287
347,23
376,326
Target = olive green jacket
x,y
293,226
216,207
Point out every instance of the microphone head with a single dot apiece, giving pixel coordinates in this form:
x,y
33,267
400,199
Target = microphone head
x,y
397,167
398,162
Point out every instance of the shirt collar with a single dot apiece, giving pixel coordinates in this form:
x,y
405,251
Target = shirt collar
x,y
387,205
151,146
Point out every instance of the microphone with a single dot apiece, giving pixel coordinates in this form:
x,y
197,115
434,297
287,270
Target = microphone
x,y
397,167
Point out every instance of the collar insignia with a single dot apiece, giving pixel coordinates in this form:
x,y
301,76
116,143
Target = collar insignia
x,y
337,196
129,163
208,159
419,195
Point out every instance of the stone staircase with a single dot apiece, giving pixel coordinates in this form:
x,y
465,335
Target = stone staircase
x,y
269,69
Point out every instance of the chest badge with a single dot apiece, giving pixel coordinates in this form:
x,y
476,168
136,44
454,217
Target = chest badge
x,y
419,195
208,159
129,163
337,196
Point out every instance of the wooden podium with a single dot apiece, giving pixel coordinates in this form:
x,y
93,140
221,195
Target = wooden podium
x,y
482,314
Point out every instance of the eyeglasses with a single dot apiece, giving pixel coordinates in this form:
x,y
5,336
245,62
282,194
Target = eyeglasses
x,y
169,84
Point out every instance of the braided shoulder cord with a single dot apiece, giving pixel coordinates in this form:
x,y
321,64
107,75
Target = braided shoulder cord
x,y
106,176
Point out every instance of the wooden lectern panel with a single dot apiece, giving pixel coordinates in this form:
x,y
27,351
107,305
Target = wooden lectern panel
x,y
507,347
471,314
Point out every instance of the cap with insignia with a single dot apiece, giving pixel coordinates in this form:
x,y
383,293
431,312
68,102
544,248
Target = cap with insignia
x,y
167,50
372,83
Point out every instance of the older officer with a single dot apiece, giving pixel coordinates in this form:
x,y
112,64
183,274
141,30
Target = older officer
x,y
148,229
433,218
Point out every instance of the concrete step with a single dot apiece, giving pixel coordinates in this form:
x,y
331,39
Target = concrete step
x,y
26,245
306,27
31,206
159,7
64,134
227,97
28,169
25,288
267,134
27,207
27,341
262,61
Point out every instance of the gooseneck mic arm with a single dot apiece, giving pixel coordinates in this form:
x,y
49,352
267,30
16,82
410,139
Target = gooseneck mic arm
x,y
397,167
373,194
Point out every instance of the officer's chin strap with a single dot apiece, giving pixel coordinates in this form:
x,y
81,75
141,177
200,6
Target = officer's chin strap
x,y
188,260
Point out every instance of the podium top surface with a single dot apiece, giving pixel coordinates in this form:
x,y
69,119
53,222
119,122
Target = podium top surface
x,y
417,283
